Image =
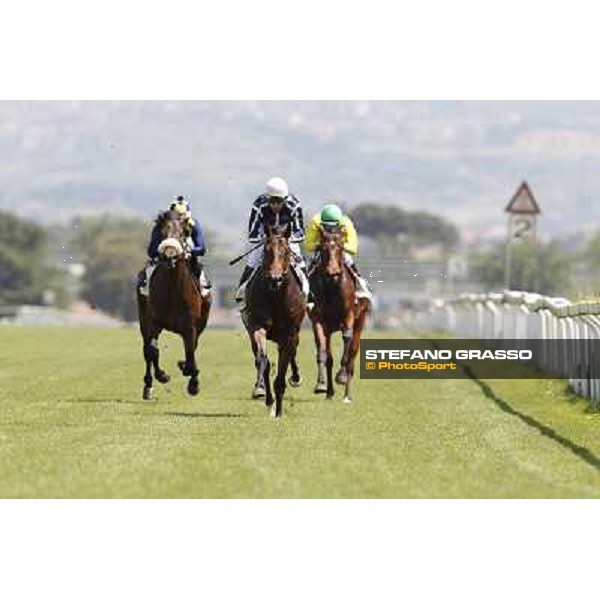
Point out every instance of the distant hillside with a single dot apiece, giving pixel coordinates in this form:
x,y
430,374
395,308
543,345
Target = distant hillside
x,y
461,160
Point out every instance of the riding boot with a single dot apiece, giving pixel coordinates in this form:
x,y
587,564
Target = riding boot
x,y
363,290
144,276
204,279
310,300
200,272
239,295
355,269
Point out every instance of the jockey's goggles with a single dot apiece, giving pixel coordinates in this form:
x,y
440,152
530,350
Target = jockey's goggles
x,y
276,200
329,226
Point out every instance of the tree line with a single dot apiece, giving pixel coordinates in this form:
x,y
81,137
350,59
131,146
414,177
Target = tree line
x,y
113,249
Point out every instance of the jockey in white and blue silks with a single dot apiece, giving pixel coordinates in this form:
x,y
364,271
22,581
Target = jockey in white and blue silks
x,y
275,207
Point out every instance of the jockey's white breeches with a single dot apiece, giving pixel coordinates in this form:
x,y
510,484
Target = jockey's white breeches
x,y
255,258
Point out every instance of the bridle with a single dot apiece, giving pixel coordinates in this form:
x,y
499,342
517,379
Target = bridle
x,y
277,281
333,244
173,247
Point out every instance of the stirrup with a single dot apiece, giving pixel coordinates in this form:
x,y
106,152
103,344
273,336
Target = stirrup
x,y
146,277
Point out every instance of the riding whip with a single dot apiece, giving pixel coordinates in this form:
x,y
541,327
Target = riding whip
x,y
237,259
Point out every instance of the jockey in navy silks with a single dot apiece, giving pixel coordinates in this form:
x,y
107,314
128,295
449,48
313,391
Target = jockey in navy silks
x,y
275,207
195,246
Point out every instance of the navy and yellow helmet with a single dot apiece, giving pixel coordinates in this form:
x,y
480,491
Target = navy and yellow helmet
x,y
182,207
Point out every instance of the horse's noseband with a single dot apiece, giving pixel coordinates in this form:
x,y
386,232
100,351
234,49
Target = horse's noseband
x,y
169,251
277,282
169,261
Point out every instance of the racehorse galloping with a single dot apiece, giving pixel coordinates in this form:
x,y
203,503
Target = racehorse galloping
x,y
275,307
174,303
336,309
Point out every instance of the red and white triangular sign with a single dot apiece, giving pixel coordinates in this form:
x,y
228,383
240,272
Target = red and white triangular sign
x,y
523,202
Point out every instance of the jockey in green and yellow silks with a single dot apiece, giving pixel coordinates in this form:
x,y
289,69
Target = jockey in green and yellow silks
x,y
332,216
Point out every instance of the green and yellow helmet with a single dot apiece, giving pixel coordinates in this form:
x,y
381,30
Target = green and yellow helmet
x,y
331,214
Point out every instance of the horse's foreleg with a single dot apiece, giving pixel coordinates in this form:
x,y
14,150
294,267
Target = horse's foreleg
x,y
286,353
320,343
190,342
352,352
266,377
329,365
151,358
342,375
262,387
295,379
161,376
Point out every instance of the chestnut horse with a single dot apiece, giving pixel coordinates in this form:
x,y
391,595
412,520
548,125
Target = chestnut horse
x,y
275,308
174,303
336,309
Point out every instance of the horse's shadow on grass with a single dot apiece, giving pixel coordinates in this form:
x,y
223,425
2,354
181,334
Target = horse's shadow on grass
x,y
199,415
100,401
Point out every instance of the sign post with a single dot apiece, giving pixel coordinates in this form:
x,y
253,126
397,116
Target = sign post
x,y
522,210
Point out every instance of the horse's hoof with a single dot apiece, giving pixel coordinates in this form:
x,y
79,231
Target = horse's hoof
x,y
163,377
295,382
147,395
347,400
341,377
193,388
320,388
330,396
183,368
258,392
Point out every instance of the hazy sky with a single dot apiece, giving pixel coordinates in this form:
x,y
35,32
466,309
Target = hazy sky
x,y
459,159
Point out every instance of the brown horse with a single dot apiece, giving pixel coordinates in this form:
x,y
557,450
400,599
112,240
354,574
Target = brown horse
x,y
336,309
275,310
174,303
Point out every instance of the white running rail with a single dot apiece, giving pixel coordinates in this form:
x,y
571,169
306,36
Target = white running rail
x,y
523,315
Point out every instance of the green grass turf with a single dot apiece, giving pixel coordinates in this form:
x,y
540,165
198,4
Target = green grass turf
x,y
72,424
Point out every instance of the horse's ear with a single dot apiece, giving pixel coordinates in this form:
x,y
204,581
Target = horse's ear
x,y
287,230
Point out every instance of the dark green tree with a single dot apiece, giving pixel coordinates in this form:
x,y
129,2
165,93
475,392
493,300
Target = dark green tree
x,y
24,274
113,250
400,228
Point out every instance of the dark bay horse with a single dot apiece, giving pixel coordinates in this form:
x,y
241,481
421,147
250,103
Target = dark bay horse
x,y
336,309
275,308
174,303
